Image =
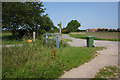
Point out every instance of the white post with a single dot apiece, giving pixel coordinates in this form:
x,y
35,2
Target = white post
x,y
33,36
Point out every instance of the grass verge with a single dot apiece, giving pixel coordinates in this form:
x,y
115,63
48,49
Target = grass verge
x,y
36,60
108,72
83,36
67,40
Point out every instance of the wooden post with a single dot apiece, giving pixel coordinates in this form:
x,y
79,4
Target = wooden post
x,y
57,41
61,38
33,36
60,27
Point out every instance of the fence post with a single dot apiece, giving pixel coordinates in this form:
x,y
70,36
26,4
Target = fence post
x,y
33,36
61,38
57,41
46,38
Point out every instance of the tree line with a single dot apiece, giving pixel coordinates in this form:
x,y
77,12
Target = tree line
x,y
25,17
22,18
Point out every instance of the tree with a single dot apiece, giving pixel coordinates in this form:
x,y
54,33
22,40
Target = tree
x,y
47,24
72,26
24,15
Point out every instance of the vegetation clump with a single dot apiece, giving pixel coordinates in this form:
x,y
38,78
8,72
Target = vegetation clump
x,y
108,72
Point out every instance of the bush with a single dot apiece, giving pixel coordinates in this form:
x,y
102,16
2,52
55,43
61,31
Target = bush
x,y
53,31
20,33
27,33
65,31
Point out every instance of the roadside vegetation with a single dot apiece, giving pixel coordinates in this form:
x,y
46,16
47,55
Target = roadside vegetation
x,y
108,72
40,60
67,40
110,36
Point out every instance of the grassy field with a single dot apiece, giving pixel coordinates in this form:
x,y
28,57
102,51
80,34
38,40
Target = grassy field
x,y
110,36
7,39
36,60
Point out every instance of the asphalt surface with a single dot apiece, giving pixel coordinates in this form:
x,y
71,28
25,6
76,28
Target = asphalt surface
x,y
106,57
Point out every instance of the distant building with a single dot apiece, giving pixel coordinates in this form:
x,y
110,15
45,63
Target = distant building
x,y
90,30
95,30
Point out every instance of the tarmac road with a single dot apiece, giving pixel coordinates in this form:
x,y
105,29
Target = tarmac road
x,y
106,57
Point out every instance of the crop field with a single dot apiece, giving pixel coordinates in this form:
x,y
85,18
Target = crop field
x,y
110,36
105,35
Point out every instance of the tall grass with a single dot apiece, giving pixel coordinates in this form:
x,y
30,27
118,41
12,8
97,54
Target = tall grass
x,y
8,39
37,60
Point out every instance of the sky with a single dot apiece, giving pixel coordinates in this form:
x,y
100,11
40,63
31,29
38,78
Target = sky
x,y
89,14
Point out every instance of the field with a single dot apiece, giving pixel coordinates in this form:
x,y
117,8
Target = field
x,y
40,60
111,36
7,39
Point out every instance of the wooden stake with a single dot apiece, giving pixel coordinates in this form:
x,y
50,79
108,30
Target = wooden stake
x,y
33,36
60,27
54,53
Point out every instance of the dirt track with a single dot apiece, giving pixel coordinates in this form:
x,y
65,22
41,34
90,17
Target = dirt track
x,y
106,57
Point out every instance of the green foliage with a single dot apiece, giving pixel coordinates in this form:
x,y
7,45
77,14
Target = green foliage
x,y
77,30
67,40
114,30
101,30
17,14
7,39
71,26
108,72
27,15
54,30
34,60
47,24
